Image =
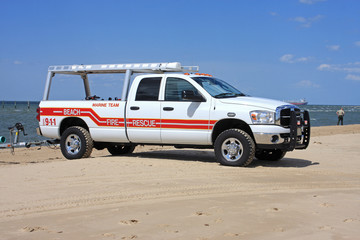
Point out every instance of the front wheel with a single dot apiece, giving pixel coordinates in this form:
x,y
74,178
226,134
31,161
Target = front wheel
x,y
76,143
234,147
270,154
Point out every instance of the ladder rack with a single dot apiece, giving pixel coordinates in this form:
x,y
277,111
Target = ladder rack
x,y
128,69
122,68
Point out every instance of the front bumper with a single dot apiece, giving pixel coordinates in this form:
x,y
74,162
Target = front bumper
x,y
295,136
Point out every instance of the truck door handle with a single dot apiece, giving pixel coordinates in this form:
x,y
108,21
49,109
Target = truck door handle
x,y
168,108
134,108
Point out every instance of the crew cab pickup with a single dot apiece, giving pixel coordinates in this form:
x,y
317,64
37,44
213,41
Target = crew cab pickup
x,y
168,104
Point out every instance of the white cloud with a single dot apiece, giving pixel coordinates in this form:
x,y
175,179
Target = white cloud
x,y
324,67
16,62
352,70
302,59
287,58
357,43
307,84
290,58
310,1
307,22
348,67
273,14
353,77
300,19
333,47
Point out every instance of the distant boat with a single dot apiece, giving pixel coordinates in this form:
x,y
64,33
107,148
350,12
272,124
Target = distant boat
x,y
301,102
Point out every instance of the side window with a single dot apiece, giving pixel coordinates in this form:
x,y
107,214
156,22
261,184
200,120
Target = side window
x,y
174,88
148,89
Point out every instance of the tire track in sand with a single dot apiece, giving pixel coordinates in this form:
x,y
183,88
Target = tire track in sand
x,y
175,192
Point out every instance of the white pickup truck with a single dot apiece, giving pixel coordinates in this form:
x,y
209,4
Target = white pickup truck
x,y
165,106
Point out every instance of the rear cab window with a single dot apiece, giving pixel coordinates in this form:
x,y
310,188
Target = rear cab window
x,y
148,89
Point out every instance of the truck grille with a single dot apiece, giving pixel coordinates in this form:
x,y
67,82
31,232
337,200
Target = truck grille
x,y
283,116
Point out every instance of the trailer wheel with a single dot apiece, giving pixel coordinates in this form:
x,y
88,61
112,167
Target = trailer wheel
x,y
76,143
234,147
121,149
270,154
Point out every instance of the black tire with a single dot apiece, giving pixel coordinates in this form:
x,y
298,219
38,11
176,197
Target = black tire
x,y
270,154
76,143
234,147
121,149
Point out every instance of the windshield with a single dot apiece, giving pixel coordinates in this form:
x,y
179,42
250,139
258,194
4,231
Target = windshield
x,y
217,88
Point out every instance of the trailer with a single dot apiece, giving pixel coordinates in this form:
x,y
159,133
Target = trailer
x,y
15,139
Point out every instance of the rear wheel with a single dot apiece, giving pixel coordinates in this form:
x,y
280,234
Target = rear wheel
x,y
120,149
76,143
270,154
234,147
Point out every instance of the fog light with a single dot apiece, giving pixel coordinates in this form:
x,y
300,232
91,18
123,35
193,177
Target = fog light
x,y
274,138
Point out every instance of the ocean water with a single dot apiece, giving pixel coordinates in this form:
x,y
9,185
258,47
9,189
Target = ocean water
x,y
325,115
320,115
21,113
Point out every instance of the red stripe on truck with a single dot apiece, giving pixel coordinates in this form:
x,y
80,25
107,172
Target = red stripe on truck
x,y
196,124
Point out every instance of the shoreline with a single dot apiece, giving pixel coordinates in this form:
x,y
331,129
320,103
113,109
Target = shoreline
x,y
335,129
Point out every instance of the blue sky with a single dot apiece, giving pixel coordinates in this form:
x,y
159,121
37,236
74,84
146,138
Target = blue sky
x,y
280,49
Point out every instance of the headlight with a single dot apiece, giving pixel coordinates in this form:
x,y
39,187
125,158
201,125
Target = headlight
x,y
262,117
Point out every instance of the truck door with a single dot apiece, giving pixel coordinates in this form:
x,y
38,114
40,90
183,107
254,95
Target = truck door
x,y
143,111
184,114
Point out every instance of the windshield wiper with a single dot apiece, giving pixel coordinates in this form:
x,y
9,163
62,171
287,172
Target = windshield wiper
x,y
229,94
224,95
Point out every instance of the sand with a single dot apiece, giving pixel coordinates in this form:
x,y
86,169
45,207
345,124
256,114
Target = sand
x,y
167,193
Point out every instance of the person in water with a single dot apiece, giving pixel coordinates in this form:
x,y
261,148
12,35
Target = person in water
x,y
340,113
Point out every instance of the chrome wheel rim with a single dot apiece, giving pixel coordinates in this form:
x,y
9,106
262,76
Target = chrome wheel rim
x,y
232,149
73,144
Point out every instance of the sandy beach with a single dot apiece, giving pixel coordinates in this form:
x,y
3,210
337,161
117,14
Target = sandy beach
x,y
167,193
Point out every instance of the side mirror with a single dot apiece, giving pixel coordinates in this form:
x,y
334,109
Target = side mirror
x,y
190,95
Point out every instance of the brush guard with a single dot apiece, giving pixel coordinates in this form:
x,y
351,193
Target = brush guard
x,y
299,126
